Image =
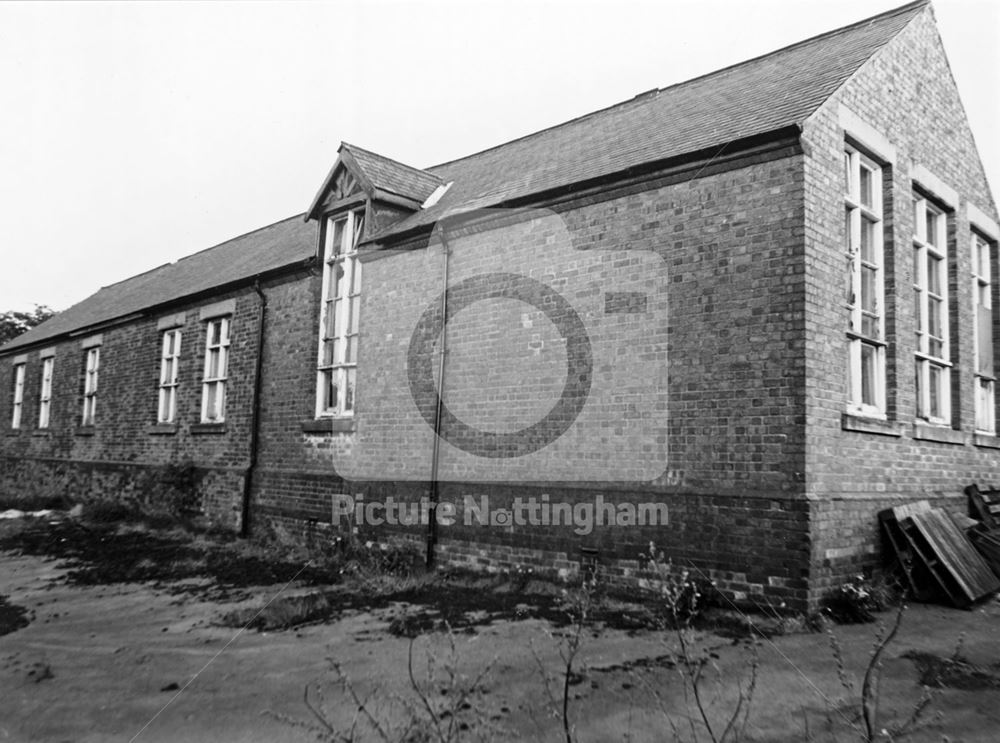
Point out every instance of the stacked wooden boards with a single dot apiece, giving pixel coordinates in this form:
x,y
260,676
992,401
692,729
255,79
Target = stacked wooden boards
x,y
984,506
938,559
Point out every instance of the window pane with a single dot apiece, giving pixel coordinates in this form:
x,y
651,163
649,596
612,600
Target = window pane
x,y
210,401
868,371
867,241
984,341
330,392
847,173
869,277
349,393
328,320
918,384
931,235
337,281
934,388
866,186
985,419
359,229
934,311
934,266
338,311
352,350
329,348
337,238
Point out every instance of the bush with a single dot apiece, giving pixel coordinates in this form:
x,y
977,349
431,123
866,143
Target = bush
x,y
173,488
855,602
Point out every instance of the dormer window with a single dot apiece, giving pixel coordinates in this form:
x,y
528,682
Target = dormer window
x,y
336,378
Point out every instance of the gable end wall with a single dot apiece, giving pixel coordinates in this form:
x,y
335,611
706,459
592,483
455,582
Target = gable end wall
x,y
906,94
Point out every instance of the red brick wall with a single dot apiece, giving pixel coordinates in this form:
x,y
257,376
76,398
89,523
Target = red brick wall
x,y
125,443
718,375
907,94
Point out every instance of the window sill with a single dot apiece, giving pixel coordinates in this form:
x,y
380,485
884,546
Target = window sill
x,y
207,428
83,431
940,434
13,432
329,425
43,432
162,429
986,440
863,424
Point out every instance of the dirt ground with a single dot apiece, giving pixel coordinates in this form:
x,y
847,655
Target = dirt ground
x,y
91,653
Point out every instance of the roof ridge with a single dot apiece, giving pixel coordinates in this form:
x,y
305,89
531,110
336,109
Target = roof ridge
x,y
390,159
892,12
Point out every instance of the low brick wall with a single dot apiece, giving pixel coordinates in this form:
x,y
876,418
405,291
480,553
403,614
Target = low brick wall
x,y
219,491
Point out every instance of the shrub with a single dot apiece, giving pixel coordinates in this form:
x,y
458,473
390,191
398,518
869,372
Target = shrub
x,y
854,602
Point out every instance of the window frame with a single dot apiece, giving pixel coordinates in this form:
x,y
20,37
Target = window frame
x,y
170,356
17,406
984,384
932,371
91,379
45,392
863,335
214,387
336,362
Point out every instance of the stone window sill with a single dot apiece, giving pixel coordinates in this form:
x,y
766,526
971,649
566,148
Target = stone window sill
x,y
986,440
329,425
940,434
862,424
84,431
13,432
207,428
42,432
162,429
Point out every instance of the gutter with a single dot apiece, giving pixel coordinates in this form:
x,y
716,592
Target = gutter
x,y
254,411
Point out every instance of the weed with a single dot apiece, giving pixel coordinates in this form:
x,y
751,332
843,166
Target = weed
x,y
683,600
443,706
871,685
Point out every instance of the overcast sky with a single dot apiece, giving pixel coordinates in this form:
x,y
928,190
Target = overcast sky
x,y
132,134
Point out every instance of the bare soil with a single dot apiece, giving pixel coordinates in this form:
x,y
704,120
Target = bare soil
x,y
130,630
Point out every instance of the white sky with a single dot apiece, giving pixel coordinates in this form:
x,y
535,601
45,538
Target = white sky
x,y
132,134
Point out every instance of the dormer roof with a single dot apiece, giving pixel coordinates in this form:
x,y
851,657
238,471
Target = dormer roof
x,y
376,176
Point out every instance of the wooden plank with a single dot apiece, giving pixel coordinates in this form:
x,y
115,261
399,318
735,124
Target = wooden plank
x,y
988,547
984,505
908,509
957,554
930,565
904,556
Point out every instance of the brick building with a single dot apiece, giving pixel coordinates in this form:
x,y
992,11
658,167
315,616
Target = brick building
x,y
762,298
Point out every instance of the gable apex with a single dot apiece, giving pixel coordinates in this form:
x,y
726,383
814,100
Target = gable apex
x,y
358,170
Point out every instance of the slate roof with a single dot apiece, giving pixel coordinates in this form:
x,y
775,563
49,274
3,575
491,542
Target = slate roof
x,y
390,175
751,98
275,246
755,97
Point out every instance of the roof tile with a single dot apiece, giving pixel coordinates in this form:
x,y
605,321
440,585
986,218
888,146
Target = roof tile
x,y
277,245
